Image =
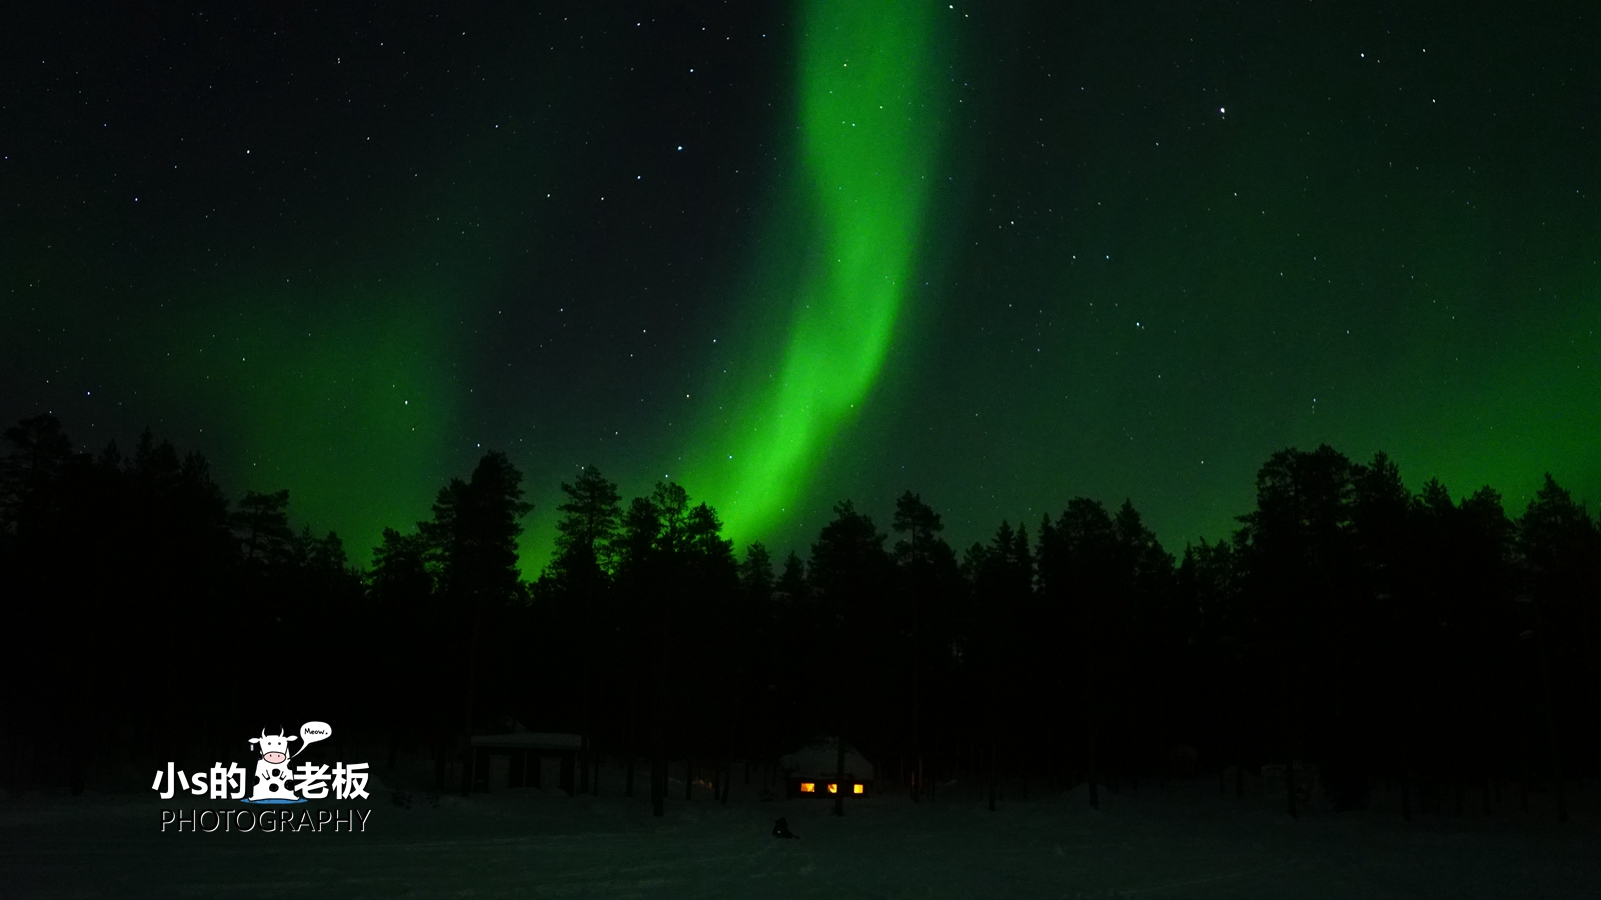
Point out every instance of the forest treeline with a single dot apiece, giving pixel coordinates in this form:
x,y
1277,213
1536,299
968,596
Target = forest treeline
x,y
1349,622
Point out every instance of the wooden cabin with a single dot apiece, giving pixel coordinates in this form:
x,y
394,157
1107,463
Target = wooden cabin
x,y
813,771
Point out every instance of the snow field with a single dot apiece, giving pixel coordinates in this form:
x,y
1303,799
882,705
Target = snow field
x,y
1184,841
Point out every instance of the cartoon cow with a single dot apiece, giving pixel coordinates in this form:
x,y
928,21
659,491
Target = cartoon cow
x,y
272,770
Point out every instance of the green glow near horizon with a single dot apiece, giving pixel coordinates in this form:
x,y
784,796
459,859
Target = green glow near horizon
x,y
867,145
344,399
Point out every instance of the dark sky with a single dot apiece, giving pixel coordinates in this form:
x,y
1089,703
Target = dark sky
x,y
786,254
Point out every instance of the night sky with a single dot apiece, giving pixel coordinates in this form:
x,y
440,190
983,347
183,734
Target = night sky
x,y
786,254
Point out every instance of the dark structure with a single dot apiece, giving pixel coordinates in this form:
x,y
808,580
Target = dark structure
x,y
526,750
813,771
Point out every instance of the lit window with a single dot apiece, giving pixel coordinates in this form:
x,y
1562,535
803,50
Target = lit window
x,y
808,788
856,789
833,789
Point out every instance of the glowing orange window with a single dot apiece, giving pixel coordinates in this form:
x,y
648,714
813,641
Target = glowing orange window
x,y
808,788
833,789
856,789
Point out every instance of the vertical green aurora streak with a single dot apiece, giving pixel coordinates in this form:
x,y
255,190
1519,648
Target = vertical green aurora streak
x,y
868,142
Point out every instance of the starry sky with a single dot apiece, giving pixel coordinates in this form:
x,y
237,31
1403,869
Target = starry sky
x,y
791,253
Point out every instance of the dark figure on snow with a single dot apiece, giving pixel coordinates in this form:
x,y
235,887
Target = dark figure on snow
x,y
781,830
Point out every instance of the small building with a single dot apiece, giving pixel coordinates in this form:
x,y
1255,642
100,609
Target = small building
x,y
525,753
813,771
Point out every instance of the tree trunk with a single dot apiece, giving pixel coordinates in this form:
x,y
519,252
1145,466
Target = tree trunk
x,y
658,786
1289,781
1406,793
917,751
585,750
472,686
1092,776
1550,716
1091,713
992,770
839,780
658,761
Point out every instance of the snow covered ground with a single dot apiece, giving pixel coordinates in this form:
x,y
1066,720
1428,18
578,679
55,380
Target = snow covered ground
x,y
1182,842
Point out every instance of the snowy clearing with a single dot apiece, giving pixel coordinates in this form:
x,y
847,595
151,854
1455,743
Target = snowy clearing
x,y
1186,841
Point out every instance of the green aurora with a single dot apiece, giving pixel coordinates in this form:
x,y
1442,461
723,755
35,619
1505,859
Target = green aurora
x,y
869,139
790,254
351,403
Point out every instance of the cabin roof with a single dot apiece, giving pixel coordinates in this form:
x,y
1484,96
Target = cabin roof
x,y
530,740
821,758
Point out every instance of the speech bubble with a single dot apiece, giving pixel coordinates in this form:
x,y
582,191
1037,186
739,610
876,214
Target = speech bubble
x,y
312,732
